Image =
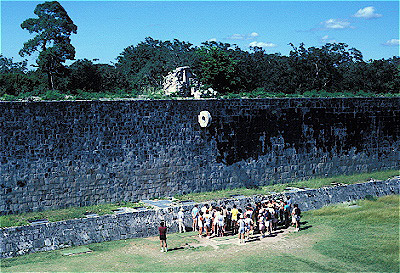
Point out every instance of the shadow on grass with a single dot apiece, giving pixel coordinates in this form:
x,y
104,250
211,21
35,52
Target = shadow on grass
x,y
253,239
306,227
176,248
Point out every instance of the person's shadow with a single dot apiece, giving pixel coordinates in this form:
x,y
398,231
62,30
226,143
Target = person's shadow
x,y
176,248
303,225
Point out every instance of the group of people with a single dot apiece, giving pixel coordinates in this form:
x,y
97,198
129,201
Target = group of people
x,y
262,217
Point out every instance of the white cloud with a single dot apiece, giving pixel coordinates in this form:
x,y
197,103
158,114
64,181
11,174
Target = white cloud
x,y
392,42
367,13
236,36
212,40
336,24
327,39
261,44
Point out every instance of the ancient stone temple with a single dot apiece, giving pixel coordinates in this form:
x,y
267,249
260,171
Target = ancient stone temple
x,y
181,81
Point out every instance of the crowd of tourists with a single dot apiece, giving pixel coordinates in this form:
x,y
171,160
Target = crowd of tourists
x,y
260,218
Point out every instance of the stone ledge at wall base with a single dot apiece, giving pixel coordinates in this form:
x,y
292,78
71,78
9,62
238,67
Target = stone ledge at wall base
x,y
15,241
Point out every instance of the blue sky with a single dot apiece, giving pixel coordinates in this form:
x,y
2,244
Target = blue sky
x,y
105,28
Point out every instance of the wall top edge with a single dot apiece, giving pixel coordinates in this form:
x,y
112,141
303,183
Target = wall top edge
x,y
201,100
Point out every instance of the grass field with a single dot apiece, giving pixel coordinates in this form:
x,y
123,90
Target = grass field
x,y
339,238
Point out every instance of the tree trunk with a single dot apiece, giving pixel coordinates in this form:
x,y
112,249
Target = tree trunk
x,y
50,80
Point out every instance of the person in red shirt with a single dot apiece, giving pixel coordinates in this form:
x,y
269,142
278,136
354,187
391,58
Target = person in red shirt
x,y
163,237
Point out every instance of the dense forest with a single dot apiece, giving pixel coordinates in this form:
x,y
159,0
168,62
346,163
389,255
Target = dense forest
x,y
228,69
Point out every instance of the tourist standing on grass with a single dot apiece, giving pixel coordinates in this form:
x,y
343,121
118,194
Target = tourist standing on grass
x,y
296,216
200,224
268,221
163,237
195,216
181,218
220,223
242,228
281,212
249,225
287,214
228,219
261,223
234,213
207,223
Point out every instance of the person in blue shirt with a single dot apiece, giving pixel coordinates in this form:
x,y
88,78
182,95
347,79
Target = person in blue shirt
x,y
195,216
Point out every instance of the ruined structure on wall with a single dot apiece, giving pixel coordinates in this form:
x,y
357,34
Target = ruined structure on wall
x,y
60,154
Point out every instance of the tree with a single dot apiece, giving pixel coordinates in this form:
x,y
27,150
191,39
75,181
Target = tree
x,y
90,77
148,62
53,27
218,67
322,68
14,77
7,65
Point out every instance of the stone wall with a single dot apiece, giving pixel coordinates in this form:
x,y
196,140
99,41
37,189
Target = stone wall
x,y
16,241
62,154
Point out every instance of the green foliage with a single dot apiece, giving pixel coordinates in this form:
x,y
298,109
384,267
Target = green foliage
x,y
16,83
53,27
7,65
217,67
332,70
153,93
94,78
53,95
146,64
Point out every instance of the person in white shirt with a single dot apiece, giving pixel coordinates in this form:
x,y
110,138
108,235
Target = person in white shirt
x,y
181,217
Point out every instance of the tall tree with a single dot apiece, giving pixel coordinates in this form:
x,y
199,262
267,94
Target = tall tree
x,y
54,28
148,62
218,67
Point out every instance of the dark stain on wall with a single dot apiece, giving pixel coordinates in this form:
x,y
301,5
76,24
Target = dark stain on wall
x,y
249,135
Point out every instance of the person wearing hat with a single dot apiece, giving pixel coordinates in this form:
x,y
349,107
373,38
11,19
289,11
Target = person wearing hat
x,y
181,217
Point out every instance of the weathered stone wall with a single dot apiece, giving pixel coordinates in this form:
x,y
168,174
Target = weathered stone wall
x,y
61,154
16,241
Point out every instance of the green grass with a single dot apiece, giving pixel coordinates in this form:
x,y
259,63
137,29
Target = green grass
x,y
368,236
62,214
338,239
262,93
157,93
312,183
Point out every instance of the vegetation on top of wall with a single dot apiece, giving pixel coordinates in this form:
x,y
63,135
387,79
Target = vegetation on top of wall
x,y
79,212
333,69
63,214
155,94
269,189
